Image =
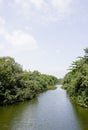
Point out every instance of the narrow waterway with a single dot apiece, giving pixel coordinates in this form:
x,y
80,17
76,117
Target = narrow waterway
x,y
52,110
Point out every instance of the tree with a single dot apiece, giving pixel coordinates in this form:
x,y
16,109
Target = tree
x,y
18,85
76,81
86,52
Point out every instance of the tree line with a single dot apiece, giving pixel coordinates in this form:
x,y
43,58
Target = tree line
x,y
17,85
76,80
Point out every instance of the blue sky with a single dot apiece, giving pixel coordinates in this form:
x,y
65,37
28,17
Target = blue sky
x,y
44,35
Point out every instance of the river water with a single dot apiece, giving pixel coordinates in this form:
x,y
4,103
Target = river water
x,y
52,110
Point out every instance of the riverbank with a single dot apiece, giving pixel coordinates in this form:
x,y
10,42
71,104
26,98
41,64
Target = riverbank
x,y
17,85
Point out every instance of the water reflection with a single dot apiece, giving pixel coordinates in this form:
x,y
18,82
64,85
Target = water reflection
x,y
9,113
82,115
52,110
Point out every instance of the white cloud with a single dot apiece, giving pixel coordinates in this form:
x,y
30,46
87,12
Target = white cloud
x,y
28,3
22,41
24,4
61,5
18,39
37,3
50,9
2,21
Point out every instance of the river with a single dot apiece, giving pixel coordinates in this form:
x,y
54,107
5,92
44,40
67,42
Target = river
x,y
51,110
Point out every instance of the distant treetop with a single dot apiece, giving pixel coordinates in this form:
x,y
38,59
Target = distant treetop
x,y
86,51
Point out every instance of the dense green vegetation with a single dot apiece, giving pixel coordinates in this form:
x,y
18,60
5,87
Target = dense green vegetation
x,y
76,81
18,85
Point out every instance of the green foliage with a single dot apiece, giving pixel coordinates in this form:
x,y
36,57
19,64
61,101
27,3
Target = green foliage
x,y
76,81
86,51
17,85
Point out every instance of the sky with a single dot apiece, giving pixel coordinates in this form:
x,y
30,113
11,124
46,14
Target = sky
x,y
44,35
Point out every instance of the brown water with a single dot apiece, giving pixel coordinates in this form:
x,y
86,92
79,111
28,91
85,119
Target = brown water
x,y
52,110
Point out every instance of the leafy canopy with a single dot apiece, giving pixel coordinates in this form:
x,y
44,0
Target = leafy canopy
x,y
76,81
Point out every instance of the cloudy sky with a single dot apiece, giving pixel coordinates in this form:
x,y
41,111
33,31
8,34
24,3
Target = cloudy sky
x,y
44,35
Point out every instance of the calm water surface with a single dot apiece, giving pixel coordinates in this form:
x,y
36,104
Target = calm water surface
x,y
52,110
